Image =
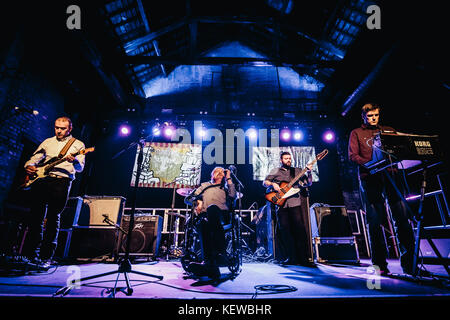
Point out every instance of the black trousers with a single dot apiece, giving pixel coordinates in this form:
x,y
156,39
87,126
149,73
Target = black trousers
x,y
293,228
212,233
48,199
374,189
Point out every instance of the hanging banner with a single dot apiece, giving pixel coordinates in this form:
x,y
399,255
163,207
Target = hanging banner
x,y
169,165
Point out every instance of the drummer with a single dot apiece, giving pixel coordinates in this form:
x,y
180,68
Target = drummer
x,y
213,200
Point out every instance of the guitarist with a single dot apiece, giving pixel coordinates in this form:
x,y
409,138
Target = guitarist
x,y
293,214
51,191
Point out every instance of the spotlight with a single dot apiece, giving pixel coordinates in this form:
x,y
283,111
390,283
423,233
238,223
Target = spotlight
x,y
202,133
124,130
328,136
285,134
169,131
156,131
252,134
298,135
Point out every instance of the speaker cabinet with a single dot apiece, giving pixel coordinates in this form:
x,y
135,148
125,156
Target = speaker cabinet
x,y
92,242
329,221
145,237
96,208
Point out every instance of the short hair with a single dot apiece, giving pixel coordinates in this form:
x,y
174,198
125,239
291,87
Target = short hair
x,y
214,170
369,107
284,153
66,119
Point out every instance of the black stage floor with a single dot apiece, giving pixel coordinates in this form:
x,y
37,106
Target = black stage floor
x,y
269,282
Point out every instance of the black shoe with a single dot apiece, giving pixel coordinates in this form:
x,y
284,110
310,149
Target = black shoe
x,y
419,272
203,269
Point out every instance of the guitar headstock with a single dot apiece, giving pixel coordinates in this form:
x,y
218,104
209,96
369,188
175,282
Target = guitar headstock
x,y
322,155
87,150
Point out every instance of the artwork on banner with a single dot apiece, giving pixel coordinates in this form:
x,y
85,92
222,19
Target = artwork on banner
x,y
169,165
264,159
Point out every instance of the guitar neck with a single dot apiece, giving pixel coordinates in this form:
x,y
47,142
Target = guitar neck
x,y
55,163
297,177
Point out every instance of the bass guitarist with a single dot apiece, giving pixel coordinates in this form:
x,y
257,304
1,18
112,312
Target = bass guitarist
x,y
51,191
293,214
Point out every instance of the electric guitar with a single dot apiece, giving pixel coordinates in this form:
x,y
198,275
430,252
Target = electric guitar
x,y
44,169
287,189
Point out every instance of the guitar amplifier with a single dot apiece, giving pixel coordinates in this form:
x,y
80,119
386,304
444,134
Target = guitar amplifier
x,y
93,243
95,208
336,249
145,237
329,221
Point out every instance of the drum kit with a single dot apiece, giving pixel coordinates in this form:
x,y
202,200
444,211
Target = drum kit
x,y
185,192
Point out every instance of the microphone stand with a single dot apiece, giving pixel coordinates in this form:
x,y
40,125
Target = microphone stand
x,y
238,217
125,264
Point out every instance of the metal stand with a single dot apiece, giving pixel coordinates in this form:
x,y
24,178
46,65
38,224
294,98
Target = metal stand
x,y
421,230
125,264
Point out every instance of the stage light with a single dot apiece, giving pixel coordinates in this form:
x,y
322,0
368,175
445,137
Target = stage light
x,y
329,136
156,131
252,134
285,134
124,130
298,135
202,132
169,131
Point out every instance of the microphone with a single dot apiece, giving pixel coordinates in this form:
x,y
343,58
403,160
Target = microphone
x,y
20,109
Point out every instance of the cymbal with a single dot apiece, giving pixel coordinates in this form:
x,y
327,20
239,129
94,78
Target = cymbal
x,y
184,191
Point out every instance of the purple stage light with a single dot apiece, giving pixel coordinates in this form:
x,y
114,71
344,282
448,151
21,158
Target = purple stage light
x,y
169,131
329,136
124,130
285,134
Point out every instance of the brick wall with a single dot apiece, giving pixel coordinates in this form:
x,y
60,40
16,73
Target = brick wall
x,y
22,88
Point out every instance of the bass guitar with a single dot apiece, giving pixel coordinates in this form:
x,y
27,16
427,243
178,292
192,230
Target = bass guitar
x,y
286,188
44,169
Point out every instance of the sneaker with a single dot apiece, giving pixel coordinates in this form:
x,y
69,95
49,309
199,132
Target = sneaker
x,y
45,265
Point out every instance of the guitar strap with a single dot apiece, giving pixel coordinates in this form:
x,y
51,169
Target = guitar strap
x,y
66,148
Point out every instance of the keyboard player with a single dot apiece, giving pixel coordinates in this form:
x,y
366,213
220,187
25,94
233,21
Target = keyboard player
x,y
372,189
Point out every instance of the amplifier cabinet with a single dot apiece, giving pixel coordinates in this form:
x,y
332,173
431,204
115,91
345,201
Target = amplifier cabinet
x,y
145,237
87,242
329,221
95,208
335,249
